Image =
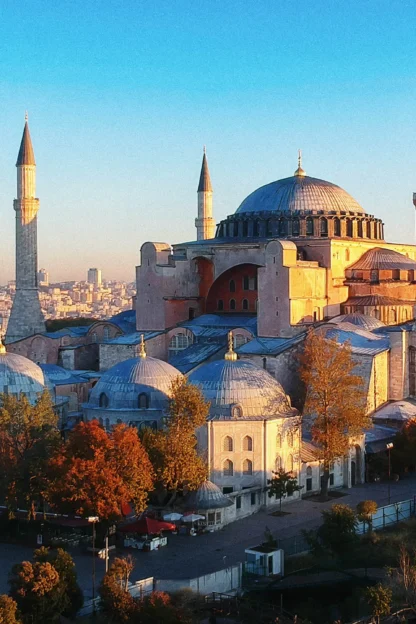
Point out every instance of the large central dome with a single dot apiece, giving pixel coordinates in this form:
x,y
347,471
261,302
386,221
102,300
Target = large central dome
x,y
300,193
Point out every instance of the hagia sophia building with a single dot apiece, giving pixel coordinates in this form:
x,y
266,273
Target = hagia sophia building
x,y
230,311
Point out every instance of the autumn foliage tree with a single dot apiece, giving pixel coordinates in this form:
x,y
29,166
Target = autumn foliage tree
x,y
28,437
173,450
8,611
95,472
335,399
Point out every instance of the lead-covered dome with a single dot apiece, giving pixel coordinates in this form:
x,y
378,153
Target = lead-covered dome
x,y
363,321
300,193
121,386
18,375
239,389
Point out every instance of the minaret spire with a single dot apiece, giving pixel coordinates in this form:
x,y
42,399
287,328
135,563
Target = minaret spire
x,y
205,224
26,316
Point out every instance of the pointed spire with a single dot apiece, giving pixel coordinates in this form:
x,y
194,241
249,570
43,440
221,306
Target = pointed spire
x,y
26,155
299,171
204,179
231,355
142,352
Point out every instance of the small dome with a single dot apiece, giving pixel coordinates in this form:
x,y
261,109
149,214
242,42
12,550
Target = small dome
x,y
20,375
364,321
207,496
240,389
300,193
123,383
383,260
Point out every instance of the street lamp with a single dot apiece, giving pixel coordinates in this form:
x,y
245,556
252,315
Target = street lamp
x,y
93,520
389,446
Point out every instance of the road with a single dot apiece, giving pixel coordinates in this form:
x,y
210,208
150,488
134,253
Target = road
x,y
188,557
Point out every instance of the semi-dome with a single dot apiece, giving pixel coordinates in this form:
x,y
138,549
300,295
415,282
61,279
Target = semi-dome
x,y
364,321
121,386
300,193
18,375
239,389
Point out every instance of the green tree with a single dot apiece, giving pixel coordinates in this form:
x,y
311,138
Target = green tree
x,y
379,598
65,566
335,402
283,484
173,451
365,511
8,611
337,532
28,437
38,592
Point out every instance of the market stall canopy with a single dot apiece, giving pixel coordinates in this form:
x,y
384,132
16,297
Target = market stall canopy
x,y
172,517
147,526
192,518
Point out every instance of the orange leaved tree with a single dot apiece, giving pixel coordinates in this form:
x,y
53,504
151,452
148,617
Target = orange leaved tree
x,y
96,472
335,403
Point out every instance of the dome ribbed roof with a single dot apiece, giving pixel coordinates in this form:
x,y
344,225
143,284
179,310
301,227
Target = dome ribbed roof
x,y
229,384
360,320
123,383
20,375
300,193
207,496
383,260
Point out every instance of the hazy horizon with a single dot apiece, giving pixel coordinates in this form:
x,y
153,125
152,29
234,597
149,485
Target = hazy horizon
x,y
123,96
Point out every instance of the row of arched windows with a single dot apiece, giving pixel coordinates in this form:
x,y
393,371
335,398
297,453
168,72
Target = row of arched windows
x,y
143,400
289,439
290,466
228,468
232,305
228,444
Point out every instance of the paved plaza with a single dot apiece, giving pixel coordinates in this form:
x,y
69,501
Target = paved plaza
x,y
188,557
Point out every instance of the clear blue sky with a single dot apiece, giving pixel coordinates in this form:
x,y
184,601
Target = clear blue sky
x,y
122,96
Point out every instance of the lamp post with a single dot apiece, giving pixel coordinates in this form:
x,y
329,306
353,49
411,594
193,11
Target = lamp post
x,y
389,446
93,520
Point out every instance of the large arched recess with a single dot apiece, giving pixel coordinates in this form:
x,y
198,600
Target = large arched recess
x,y
205,270
234,291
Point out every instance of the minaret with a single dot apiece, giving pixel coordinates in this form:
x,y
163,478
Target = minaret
x,y
205,224
26,317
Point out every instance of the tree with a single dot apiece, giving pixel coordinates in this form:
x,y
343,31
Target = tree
x,y
96,472
173,450
337,532
65,566
116,601
283,484
404,450
379,598
8,611
38,592
365,511
335,399
28,437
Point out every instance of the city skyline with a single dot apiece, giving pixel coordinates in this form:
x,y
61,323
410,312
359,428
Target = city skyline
x,y
118,130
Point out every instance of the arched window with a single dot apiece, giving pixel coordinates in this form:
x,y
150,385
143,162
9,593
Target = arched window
x,y
279,440
228,468
308,471
103,400
368,229
277,463
232,285
246,282
107,424
290,438
291,463
324,227
248,443
282,227
232,304
337,227
239,340
106,333
295,227
349,227
309,226
143,400
237,411
247,467
360,229
228,444
393,316
245,304
220,305
100,420
178,343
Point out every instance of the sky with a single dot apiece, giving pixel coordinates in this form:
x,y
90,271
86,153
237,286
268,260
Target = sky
x,y
123,95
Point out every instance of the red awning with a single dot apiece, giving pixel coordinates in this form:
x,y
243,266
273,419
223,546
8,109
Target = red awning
x,y
147,526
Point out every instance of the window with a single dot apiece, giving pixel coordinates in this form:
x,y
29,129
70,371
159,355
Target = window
x,y
247,467
256,228
238,502
290,438
211,518
291,463
217,517
228,444
282,227
232,304
279,440
106,333
220,305
228,468
143,401
337,227
248,443
349,227
309,484
107,424
237,411
227,489
253,498
246,282
373,275
178,343
395,274
309,226
245,228
360,229
324,227
269,228
278,463
308,471
245,304
232,286
295,227
103,400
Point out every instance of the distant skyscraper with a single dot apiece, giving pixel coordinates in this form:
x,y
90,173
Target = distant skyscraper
x,y
43,277
26,317
94,277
